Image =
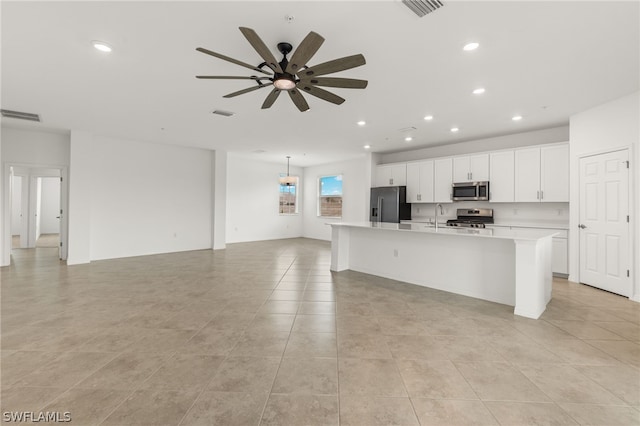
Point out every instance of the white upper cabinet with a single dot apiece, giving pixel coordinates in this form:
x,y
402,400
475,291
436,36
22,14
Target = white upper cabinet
x,y
502,177
443,179
542,174
391,175
470,168
554,173
420,182
527,175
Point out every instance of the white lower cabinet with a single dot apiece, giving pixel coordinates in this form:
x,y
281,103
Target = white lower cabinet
x,y
560,256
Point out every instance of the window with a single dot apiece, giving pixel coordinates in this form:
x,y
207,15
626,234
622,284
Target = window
x,y
330,196
289,196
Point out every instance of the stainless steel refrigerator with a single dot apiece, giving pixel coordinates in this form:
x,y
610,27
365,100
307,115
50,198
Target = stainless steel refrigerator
x,y
389,204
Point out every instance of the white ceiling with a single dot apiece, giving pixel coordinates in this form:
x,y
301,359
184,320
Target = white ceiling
x,y
544,60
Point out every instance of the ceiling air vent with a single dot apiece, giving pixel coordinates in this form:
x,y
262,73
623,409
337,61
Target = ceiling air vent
x,y
422,7
20,115
223,113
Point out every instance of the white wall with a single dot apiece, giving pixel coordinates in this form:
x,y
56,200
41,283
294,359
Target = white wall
x,y
253,201
537,137
356,184
22,146
607,127
50,205
148,198
79,211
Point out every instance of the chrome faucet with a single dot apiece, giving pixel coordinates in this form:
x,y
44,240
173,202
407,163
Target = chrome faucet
x,y
441,212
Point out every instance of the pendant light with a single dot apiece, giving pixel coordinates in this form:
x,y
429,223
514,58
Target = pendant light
x,y
288,180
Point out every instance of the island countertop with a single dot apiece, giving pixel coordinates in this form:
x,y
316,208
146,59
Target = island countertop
x,y
501,233
508,266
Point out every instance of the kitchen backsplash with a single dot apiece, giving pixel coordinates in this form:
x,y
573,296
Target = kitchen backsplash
x,y
508,213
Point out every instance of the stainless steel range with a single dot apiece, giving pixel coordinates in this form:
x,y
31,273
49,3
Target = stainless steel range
x,y
472,218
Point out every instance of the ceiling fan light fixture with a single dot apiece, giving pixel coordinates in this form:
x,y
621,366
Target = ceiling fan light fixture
x,y
284,83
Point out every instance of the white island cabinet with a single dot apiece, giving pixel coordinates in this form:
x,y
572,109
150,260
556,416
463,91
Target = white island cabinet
x,y
511,267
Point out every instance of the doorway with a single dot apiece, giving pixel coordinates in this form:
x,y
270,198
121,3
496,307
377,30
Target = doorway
x,y
36,202
604,222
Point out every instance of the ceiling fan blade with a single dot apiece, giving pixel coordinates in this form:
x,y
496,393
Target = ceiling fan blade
x,y
243,91
307,48
271,98
262,49
233,61
346,83
336,65
231,77
321,93
299,100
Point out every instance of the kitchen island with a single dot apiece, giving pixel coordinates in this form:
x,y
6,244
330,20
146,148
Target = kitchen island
x,y
511,267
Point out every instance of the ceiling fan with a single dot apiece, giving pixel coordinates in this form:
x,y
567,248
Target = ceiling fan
x,y
292,75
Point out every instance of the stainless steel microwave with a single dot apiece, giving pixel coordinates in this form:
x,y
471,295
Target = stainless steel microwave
x,y
470,191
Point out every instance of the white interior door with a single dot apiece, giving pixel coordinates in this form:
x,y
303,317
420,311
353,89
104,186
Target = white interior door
x,y
604,233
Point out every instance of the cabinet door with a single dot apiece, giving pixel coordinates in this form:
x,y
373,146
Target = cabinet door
x,y
559,256
502,178
383,176
527,170
554,173
442,178
462,169
398,174
426,182
479,167
413,182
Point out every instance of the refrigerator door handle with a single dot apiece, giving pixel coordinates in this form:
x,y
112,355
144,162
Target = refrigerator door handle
x,y
379,209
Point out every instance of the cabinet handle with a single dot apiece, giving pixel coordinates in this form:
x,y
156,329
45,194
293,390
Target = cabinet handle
x,y
419,197
391,181
541,195
470,175
538,195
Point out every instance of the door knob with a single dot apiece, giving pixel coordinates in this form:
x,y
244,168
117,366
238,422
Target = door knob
x,y
581,226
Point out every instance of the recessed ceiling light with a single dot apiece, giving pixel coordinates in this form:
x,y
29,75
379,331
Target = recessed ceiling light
x,y
471,46
408,139
516,118
101,46
479,91
367,146
428,117
361,123
454,129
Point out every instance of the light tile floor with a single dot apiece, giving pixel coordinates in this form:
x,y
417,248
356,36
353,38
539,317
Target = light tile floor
x,y
264,333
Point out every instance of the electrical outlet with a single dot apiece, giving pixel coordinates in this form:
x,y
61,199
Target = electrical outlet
x,y
395,252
